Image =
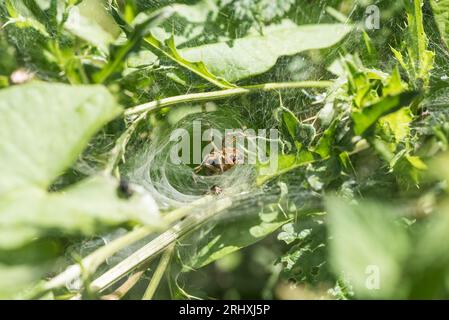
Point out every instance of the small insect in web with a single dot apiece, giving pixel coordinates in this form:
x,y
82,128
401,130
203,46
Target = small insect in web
x,y
220,159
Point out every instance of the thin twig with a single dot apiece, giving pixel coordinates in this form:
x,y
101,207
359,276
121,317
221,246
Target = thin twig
x,y
221,94
157,276
124,288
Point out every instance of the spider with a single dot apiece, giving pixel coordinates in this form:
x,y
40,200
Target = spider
x,y
219,161
216,190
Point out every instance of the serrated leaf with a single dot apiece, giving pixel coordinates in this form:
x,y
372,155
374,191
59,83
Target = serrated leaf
x,y
398,123
22,17
368,116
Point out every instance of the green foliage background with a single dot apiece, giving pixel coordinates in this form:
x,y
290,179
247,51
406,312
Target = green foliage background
x,y
91,90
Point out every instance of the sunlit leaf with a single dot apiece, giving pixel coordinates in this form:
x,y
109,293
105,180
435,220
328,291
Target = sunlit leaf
x,y
257,53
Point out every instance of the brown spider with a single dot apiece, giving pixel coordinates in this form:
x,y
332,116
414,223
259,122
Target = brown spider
x,y
219,161
216,190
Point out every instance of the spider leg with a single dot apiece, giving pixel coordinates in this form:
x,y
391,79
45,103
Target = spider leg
x,y
221,164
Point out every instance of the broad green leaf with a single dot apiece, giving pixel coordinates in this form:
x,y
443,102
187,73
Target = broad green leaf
x,y
429,261
196,13
367,247
86,208
44,127
305,261
256,54
441,14
14,279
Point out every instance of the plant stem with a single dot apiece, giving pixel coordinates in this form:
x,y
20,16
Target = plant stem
x,y
221,94
143,109
124,288
159,244
90,263
157,276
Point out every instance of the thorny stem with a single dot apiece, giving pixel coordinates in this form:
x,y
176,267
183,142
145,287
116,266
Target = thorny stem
x,y
119,149
157,276
221,94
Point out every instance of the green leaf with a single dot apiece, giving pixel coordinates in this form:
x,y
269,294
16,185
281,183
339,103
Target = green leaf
x,y
18,278
196,13
22,17
368,116
189,21
420,61
441,14
90,21
367,247
198,67
72,114
44,127
305,262
285,163
233,234
86,208
324,145
398,123
119,53
291,122
256,54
